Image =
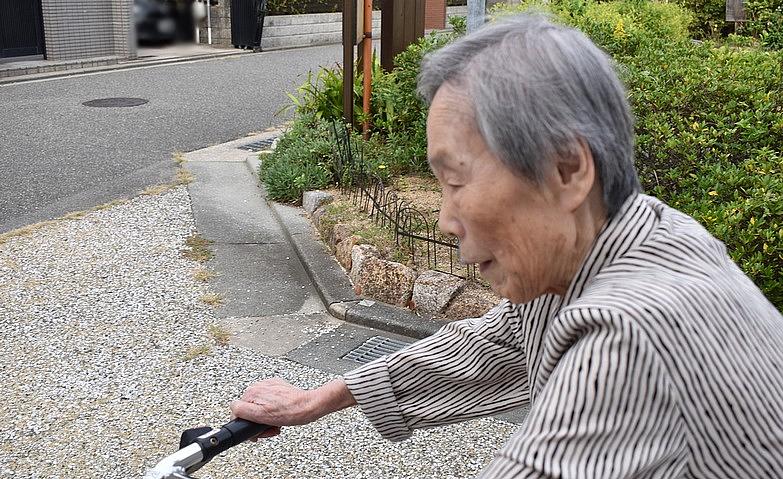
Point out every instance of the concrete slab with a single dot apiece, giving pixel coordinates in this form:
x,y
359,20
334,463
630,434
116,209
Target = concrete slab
x,y
228,207
326,351
261,280
231,152
277,335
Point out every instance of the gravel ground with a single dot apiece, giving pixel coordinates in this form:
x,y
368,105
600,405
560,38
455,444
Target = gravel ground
x,y
100,317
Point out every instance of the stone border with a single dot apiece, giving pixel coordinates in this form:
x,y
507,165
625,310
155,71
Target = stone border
x,y
428,292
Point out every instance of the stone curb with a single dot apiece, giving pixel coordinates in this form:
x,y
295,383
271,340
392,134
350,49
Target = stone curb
x,y
333,286
332,283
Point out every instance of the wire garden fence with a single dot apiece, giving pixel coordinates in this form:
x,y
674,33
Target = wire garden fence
x,y
415,231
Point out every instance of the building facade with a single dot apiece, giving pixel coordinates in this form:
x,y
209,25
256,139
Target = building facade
x,y
67,29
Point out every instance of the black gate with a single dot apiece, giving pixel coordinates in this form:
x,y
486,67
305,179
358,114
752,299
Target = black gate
x,y
247,22
21,28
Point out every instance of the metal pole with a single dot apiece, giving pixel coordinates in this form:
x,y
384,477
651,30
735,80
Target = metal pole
x,y
209,22
476,12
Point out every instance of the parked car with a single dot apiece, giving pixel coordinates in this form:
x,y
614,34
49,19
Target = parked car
x,y
156,21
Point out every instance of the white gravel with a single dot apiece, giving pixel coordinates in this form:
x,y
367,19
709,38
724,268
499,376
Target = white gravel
x,y
98,315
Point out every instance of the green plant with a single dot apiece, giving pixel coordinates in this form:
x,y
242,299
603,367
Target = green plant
x,y
710,16
459,24
303,160
322,95
742,205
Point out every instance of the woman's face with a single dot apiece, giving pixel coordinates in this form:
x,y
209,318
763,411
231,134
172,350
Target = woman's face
x,y
512,228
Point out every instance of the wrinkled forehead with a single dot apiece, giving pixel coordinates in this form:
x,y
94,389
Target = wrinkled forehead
x,y
452,130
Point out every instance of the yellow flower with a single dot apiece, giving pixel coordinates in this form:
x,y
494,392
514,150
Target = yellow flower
x,y
713,193
619,29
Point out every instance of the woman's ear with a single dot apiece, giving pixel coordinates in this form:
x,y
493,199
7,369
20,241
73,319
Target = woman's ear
x,y
575,176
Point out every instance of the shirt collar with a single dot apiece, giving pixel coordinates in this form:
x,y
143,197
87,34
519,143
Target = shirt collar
x,y
622,232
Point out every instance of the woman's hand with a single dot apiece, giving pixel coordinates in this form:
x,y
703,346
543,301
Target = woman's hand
x,y
277,403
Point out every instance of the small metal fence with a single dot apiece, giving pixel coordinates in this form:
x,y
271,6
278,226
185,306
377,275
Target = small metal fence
x,y
415,231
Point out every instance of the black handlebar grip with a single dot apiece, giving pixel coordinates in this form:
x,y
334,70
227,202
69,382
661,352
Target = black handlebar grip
x,y
231,434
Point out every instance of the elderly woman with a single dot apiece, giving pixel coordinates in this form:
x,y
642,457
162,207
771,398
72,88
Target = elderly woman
x,y
642,350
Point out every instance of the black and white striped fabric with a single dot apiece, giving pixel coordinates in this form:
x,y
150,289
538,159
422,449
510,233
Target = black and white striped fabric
x,y
663,360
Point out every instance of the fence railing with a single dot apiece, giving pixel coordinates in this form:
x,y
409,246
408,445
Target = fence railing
x,y
415,231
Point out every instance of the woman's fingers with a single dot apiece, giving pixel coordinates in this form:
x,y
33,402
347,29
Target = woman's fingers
x,y
278,403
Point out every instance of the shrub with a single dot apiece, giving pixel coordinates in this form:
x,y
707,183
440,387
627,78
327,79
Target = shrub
x,y
765,20
710,16
619,27
741,204
303,160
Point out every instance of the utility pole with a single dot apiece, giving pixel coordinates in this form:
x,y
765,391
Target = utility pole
x,y
476,12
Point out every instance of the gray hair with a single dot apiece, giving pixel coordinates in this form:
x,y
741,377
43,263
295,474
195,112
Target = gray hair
x,y
537,90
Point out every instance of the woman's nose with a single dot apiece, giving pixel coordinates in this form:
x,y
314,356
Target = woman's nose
x,y
448,222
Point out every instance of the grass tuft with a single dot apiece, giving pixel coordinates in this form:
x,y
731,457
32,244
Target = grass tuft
x,y
178,157
221,335
184,177
157,190
25,231
196,351
203,275
212,299
198,249
110,204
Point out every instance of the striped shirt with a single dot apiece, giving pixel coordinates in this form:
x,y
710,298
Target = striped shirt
x,y
662,360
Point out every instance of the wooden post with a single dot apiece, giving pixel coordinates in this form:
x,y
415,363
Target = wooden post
x,y
402,23
367,61
349,40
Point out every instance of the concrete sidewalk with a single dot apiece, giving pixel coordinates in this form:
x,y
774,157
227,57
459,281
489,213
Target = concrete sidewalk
x,y
274,273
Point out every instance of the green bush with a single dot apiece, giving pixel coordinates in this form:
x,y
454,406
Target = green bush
x,y
765,21
710,16
303,160
619,27
741,204
397,115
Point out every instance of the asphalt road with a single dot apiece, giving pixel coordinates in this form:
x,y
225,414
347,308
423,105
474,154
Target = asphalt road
x,y
58,156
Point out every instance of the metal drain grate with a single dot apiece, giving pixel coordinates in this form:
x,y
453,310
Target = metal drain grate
x,y
115,102
258,145
374,348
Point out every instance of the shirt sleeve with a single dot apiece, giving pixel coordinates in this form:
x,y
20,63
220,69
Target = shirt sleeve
x,y
471,368
609,410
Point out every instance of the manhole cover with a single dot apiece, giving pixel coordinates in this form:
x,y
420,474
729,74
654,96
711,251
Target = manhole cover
x,y
374,348
115,102
259,145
